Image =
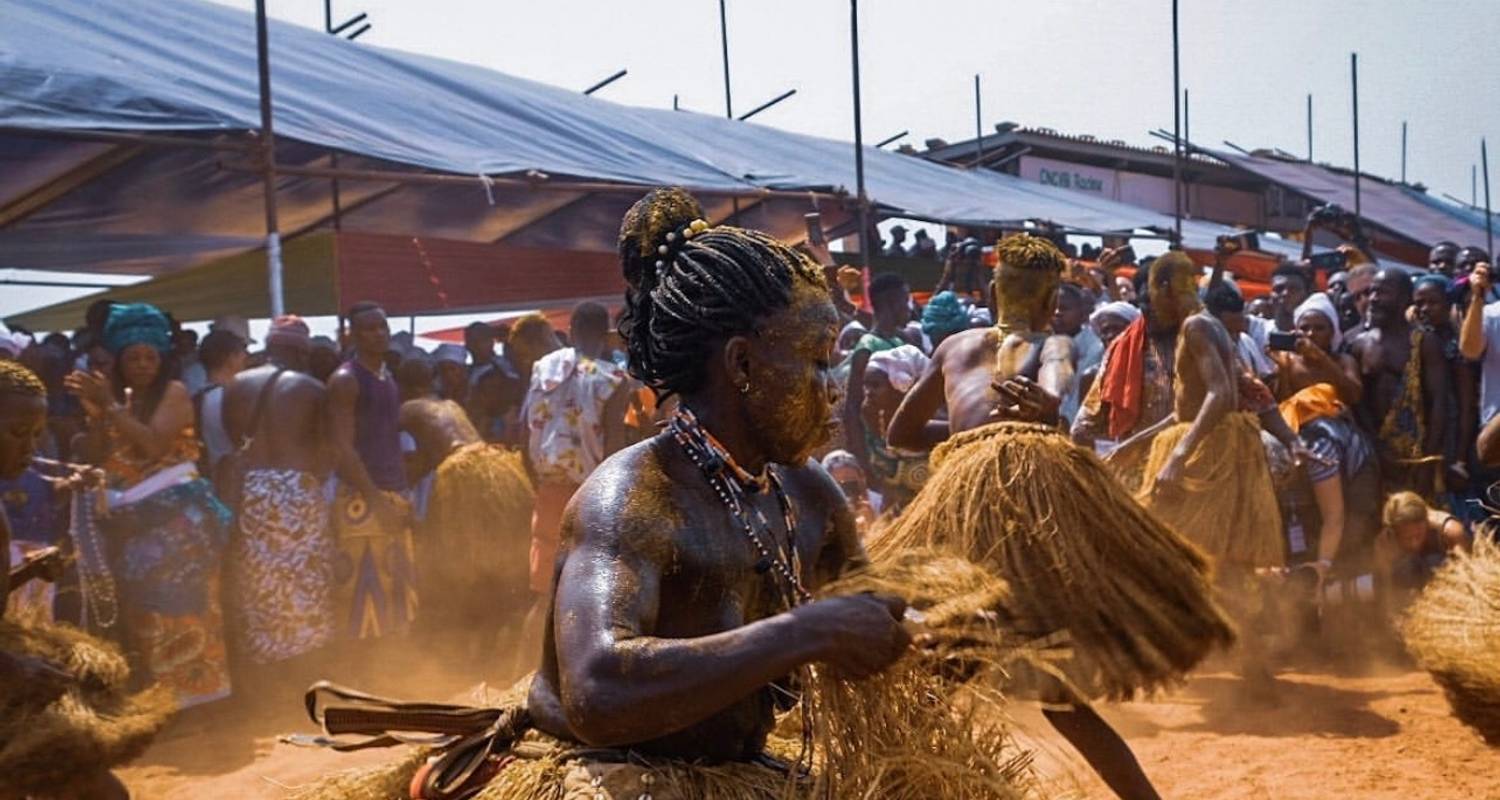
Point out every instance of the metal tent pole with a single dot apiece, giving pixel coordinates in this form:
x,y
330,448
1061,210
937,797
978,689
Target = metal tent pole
x,y
1176,130
859,142
268,162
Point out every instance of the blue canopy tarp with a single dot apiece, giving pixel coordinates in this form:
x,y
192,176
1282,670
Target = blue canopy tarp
x,y
71,203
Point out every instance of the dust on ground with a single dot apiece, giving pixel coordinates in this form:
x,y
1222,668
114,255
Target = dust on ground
x,y
1374,737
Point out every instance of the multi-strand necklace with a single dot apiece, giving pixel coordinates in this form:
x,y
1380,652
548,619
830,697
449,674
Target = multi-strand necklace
x,y
778,558
734,486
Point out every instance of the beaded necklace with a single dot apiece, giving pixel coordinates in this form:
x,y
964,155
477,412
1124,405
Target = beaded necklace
x,y
733,484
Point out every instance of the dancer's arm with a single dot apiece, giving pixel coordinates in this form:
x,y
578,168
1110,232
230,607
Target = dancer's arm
x,y
1218,397
913,427
619,684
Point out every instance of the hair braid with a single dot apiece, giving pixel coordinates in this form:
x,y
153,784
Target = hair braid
x,y
690,288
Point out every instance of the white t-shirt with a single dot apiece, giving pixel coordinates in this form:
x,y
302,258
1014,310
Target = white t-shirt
x,y
215,438
1489,365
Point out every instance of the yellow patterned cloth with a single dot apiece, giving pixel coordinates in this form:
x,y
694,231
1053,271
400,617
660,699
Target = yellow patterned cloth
x,y
282,566
375,580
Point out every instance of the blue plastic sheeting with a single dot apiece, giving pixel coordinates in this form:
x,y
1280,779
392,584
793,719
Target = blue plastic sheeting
x,y
107,65
1387,205
1465,214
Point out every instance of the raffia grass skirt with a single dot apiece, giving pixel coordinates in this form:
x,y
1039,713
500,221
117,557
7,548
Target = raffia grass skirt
x,y
1226,504
476,534
46,745
908,733
1082,557
1453,631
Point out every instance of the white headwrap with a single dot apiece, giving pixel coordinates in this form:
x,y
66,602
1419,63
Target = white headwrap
x,y
1320,303
1118,308
13,344
902,365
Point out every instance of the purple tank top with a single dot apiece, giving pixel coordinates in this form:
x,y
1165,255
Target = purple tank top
x,y
377,432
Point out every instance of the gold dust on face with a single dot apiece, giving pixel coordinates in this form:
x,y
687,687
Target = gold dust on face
x,y
792,394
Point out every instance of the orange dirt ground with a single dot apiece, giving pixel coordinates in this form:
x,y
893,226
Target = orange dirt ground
x,y
1371,738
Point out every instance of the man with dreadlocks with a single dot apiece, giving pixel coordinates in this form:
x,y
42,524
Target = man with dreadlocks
x,y
682,598
67,718
1089,567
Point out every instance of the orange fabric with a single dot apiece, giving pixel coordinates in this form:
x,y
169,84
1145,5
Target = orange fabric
x,y
546,532
1316,401
1122,384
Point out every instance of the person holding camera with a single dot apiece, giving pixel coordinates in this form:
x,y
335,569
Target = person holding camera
x,y
1479,339
1313,353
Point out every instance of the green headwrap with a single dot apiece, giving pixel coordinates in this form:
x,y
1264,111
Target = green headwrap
x,y
137,323
944,315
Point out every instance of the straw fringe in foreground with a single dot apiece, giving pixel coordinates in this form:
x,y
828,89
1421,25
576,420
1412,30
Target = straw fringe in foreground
x,y
95,723
1453,631
1080,554
1227,504
911,732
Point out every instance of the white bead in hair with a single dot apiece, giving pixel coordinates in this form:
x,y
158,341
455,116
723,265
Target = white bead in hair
x,y
671,237
661,249
661,264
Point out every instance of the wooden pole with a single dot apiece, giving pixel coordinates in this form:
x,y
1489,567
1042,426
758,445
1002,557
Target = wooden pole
x,y
1403,151
1309,129
724,45
1176,131
1187,138
1354,89
978,126
268,162
1489,217
859,142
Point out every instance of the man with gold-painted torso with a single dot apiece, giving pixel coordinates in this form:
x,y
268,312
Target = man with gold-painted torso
x,y
1089,567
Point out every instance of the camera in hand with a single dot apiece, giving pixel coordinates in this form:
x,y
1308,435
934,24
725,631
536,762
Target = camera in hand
x,y
1239,242
1331,260
1126,255
1282,341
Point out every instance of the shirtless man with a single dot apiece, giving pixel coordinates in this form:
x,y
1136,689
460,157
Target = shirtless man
x,y
1017,370
283,557
472,564
1207,474
667,628
1392,404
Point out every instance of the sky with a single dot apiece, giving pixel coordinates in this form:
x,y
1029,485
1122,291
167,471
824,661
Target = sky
x,y
1079,66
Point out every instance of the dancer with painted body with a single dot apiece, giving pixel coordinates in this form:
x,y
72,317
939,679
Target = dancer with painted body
x,y
1087,564
661,603
472,570
1207,473
68,718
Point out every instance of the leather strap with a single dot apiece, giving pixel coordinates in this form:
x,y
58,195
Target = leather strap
x,y
260,405
468,738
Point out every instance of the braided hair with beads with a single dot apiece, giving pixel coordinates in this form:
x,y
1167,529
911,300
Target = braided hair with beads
x,y
691,286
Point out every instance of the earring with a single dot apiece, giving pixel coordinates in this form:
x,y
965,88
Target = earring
x,y
745,388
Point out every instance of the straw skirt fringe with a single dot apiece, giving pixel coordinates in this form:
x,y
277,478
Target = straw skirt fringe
x,y
1081,556
1227,502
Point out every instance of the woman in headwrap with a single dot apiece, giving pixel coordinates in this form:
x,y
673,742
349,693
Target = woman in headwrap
x,y
895,474
1108,321
167,533
943,316
1319,357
